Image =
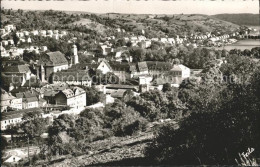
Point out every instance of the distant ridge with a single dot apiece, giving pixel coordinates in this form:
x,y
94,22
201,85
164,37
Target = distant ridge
x,y
240,19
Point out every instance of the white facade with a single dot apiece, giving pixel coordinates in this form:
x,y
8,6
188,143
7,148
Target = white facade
x,y
79,100
185,71
56,31
43,32
145,80
9,27
13,159
33,104
2,31
103,67
26,33
4,42
10,41
12,121
64,32
20,34
17,103
75,55
35,32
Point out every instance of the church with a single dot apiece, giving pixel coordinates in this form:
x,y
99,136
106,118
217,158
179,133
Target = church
x,y
53,62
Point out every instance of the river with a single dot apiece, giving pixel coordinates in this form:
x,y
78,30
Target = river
x,y
242,44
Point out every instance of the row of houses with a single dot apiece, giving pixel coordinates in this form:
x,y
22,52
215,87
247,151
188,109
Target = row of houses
x,y
21,100
34,99
15,51
45,33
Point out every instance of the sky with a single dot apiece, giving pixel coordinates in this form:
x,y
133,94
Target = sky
x,y
141,7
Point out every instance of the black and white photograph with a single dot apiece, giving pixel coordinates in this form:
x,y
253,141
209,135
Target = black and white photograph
x,y
130,83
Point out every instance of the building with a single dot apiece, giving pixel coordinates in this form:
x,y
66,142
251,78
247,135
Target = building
x,y
18,70
74,97
43,48
10,41
20,34
138,69
2,31
106,49
9,27
50,63
43,32
12,159
35,32
30,99
4,53
121,70
145,79
56,31
104,67
64,32
8,100
50,32
4,42
75,57
180,71
14,117
26,33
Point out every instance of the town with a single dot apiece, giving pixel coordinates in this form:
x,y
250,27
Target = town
x,y
67,85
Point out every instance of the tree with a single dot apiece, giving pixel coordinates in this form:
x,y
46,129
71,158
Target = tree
x,y
93,95
90,125
211,138
15,38
166,87
60,130
138,54
214,136
34,128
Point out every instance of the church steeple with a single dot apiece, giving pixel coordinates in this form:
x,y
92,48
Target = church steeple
x,y
75,54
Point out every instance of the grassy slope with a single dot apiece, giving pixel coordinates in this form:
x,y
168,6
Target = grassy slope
x,y
240,19
91,25
177,24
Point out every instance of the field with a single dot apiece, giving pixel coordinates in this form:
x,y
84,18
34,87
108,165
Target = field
x,y
91,25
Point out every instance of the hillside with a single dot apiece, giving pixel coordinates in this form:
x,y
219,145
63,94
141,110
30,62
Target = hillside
x,y
105,24
240,19
165,25
114,150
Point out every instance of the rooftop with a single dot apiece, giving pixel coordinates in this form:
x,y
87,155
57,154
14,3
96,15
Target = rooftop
x,y
55,58
18,114
16,69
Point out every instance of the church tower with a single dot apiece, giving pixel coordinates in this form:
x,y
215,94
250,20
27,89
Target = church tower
x,y
75,56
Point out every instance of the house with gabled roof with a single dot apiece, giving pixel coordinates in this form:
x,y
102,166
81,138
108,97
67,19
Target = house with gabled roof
x,y
12,159
180,71
8,100
104,67
18,69
29,98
